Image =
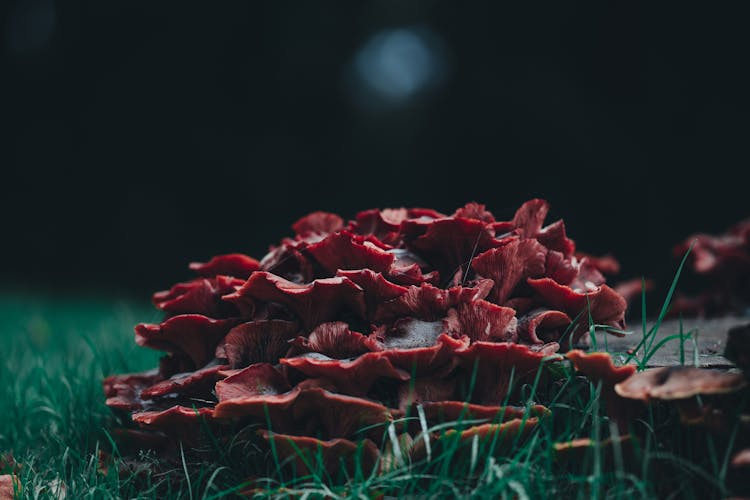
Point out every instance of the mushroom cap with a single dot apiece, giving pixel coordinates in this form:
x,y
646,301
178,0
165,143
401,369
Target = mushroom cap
x,y
335,340
259,341
741,458
307,409
354,376
605,305
198,383
178,422
171,417
303,451
233,264
482,320
255,380
541,324
314,303
439,412
499,436
429,303
318,222
574,453
599,366
449,243
679,382
200,296
345,250
192,334
511,264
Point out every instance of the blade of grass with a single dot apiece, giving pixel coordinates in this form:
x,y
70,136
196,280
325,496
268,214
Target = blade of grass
x,y
648,337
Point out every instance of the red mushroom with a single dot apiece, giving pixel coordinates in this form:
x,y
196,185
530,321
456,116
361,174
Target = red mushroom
x,y
309,454
313,303
233,264
192,334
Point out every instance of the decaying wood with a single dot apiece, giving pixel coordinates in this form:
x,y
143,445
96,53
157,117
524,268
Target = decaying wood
x,y
707,335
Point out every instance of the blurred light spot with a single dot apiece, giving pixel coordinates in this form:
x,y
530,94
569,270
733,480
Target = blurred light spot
x,y
30,25
397,65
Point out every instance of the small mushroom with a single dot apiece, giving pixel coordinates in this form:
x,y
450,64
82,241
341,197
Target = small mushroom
x,y
574,453
683,385
603,304
679,382
377,289
599,368
499,437
741,458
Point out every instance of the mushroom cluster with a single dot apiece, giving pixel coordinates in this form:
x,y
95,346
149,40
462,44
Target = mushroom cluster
x,y
724,262
345,328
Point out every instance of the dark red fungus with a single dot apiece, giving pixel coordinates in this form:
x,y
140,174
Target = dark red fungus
x,y
318,223
354,376
194,335
307,454
310,409
312,303
509,264
494,438
543,325
440,412
350,325
233,264
600,369
497,368
723,262
602,304
201,296
336,340
260,341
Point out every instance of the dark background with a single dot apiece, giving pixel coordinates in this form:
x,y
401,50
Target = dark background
x,y
138,135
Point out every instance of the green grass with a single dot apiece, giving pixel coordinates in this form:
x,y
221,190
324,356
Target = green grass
x,y
53,419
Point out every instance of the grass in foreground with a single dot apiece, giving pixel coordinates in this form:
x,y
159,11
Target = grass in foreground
x,y
54,420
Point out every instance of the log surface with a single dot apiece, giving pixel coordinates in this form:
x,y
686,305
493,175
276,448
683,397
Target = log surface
x,y
704,347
